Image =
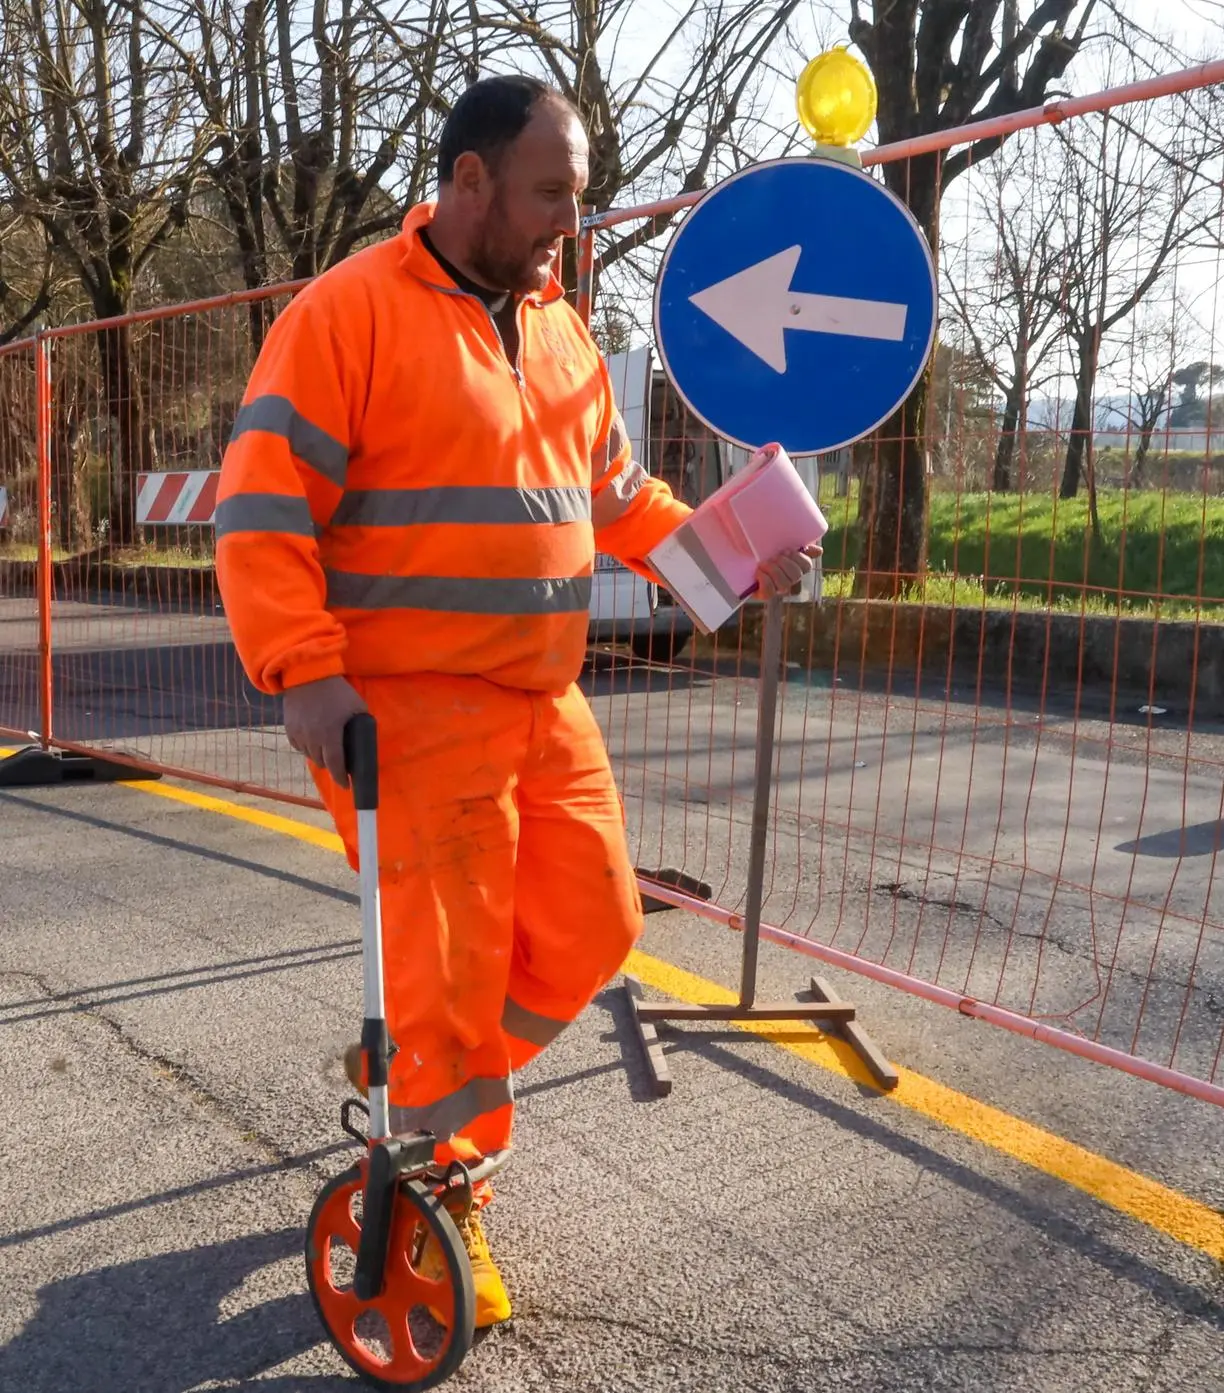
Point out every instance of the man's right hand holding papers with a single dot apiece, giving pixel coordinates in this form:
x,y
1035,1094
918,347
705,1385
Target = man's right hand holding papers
x,y
757,536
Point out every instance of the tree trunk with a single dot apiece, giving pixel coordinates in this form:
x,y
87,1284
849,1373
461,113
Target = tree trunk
x,y
892,504
1093,513
1006,448
1141,454
892,501
125,407
243,198
1080,443
69,496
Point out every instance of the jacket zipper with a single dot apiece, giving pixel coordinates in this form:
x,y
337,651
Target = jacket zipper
x,y
516,368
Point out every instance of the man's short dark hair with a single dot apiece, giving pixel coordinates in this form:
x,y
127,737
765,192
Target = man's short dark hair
x,y
489,117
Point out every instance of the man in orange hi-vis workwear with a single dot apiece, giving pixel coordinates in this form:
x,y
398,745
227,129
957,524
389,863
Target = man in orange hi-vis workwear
x,y
426,456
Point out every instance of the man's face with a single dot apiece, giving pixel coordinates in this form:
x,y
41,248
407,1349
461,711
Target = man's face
x,y
531,202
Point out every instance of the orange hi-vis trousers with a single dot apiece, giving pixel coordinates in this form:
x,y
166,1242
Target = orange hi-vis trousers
x,y
508,897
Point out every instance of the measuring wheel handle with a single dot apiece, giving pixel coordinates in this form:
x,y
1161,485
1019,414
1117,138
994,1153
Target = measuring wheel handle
x,y
392,1287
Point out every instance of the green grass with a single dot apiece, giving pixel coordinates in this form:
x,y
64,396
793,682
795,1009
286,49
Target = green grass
x,y
162,556
127,557
28,551
1159,554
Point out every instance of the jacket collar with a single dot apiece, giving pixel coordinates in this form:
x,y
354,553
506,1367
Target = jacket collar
x,y
416,258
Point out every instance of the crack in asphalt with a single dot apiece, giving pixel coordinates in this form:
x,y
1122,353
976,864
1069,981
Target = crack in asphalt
x,y
174,1072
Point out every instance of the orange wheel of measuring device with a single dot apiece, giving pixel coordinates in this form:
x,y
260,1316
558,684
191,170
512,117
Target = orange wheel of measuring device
x,y
416,1332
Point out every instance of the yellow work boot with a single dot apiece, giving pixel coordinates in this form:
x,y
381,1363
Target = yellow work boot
x,y
492,1299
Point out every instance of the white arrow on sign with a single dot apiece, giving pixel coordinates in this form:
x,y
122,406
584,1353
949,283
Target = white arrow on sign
x,y
757,306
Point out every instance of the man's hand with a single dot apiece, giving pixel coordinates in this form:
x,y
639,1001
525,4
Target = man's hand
x,y
315,716
785,572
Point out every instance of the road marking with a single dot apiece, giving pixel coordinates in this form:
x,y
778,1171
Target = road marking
x,y
1137,1196
256,817
270,822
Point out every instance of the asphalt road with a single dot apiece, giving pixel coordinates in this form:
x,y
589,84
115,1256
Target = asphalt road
x,y
175,990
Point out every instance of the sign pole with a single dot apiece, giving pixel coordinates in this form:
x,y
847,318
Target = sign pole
x,y
762,795
835,1015
796,303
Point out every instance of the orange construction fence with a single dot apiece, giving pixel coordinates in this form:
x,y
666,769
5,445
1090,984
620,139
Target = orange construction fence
x,y
998,775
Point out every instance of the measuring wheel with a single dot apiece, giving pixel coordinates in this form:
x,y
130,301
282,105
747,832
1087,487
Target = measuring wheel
x,y
385,1264
416,1330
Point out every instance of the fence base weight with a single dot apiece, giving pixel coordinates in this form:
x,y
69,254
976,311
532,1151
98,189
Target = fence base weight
x,y
34,767
857,1038
827,1010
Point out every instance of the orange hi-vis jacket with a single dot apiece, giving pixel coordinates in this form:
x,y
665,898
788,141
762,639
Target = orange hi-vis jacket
x,y
398,497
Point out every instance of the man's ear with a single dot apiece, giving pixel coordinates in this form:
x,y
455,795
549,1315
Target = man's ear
x,y
470,177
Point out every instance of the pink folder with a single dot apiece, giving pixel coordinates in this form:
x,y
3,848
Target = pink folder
x,y
710,562
761,511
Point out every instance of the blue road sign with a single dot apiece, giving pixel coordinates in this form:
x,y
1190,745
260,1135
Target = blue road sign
x,y
796,303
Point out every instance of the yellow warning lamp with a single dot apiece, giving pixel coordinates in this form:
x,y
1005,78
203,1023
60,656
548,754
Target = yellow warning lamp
x,y
836,98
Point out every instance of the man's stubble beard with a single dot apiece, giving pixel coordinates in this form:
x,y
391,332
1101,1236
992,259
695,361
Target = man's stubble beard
x,y
493,266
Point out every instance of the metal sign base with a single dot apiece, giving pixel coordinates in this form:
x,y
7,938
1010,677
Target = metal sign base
x,y
827,1008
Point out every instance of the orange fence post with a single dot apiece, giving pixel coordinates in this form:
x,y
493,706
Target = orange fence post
x,y
42,353
19,656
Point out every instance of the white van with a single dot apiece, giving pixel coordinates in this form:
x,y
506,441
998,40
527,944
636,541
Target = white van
x,y
625,608
676,447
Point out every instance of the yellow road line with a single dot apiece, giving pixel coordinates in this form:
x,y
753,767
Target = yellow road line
x,y
270,822
256,817
1141,1198
1135,1195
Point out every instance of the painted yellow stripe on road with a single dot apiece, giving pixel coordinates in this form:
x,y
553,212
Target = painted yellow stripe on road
x,y
256,817
1135,1195
1141,1198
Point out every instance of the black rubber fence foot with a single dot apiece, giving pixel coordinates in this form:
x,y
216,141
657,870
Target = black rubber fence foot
x,y
34,767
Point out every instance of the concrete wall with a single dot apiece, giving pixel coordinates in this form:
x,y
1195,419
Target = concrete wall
x,y
1169,663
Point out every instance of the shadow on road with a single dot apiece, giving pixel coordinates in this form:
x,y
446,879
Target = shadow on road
x,y
155,1325
301,1161
140,834
1200,839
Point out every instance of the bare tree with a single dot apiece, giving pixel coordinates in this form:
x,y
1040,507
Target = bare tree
x,y
998,289
100,148
360,95
681,113
323,122
27,277
1143,185
939,64
1153,353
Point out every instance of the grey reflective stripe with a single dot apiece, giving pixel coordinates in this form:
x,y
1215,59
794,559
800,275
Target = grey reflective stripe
x,y
312,445
461,504
459,594
265,512
530,1025
613,500
456,1111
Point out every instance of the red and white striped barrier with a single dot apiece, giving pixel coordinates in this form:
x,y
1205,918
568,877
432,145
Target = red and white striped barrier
x,y
177,499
